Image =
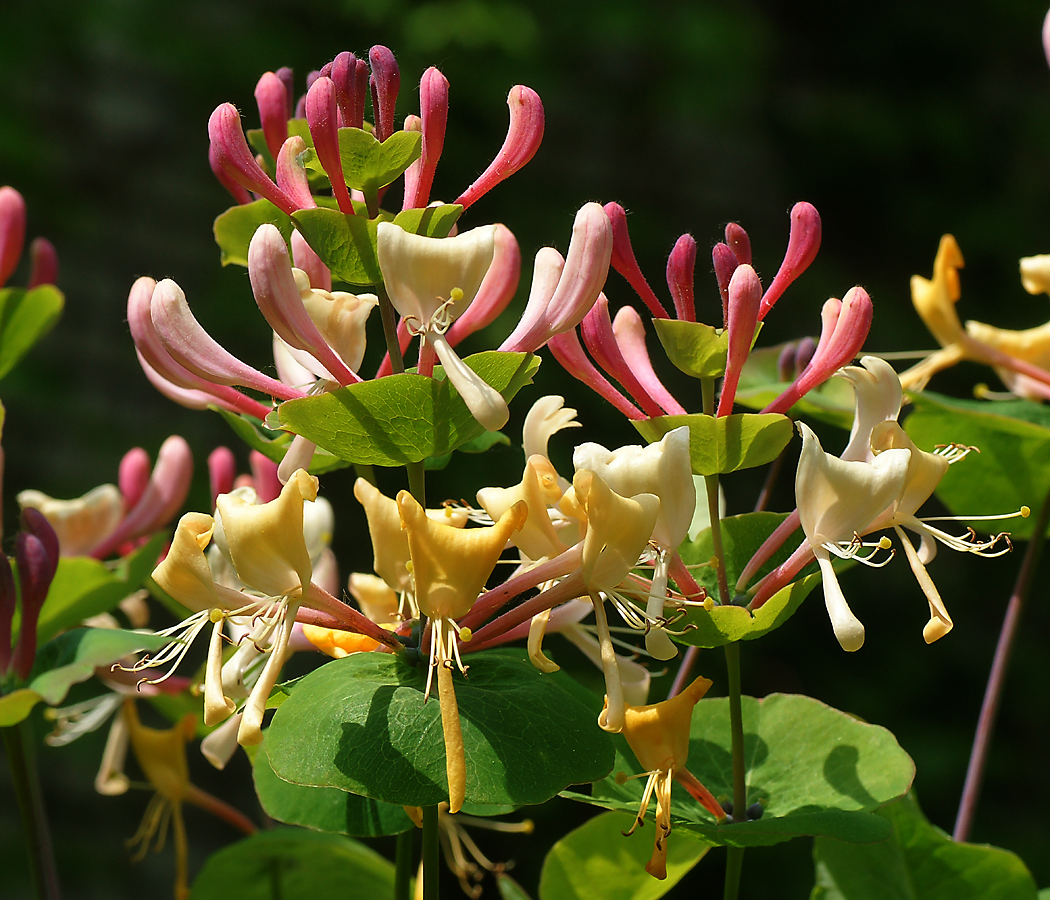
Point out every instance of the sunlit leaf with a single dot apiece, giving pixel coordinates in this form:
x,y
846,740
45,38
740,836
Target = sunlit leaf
x,y
725,444
235,228
25,317
697,349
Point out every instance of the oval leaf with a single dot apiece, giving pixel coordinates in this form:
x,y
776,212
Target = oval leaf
x,y
1013,467
594,860
235,228
346,244
724,444
816,770
324,808
274,444
433,221
293,865
920,862
403,418
369,165
360,724
25,317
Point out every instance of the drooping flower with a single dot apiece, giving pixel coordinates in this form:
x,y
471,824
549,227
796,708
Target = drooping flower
x,y
659,737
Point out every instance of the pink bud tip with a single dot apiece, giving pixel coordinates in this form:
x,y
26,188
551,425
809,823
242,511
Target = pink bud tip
x,y
272,99
350,76
1046,37
738,241
222,470
12,231
745,295
385,83
324,129
521,143
230,152
803,244
264,477
681,265
725,264
133,475
433,114
43,263
291,173
288,80
623,260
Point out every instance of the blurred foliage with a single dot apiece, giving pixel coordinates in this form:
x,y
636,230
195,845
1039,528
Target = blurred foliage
x,y
898,120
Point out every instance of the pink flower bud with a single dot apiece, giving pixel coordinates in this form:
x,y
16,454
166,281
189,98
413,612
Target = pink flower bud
x,y
272,99
194,349
413,123
581,281
12,231
270,273
291,173
725,264
36,555
164,495
839,344
384,83
233,156
43,263
133,475
264,477
738,241
804,354
497,288
169,377
312,264
680,267
521,143
533,330
287,78
598,335
803,244
786,370
433,114
222,470
567,350
745,295
630,337
623,260
350,76
1046,37
8,601
324,129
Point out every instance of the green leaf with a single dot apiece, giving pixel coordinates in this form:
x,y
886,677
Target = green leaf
x,y
235,228
596,860
741,537
760,385
84,587
369,165
724,444
346,244
274,444
816,770
919,862
484,441
403,418
360,724
1012,469
25,317
433,221
509,889
697,349
70,659
289,864
324,808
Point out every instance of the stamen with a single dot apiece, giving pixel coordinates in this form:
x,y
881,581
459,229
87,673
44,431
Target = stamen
x,y
954,452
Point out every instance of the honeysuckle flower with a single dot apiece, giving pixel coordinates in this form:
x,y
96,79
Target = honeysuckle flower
x,y
681,265
390,551
497,288
230,154
562,295
1035,274
663,469
837,502
745,296
271,97
623,260
803,244
12,231
1020,357
433,115
449,570
80,524
545,418
322,116
539,489
659,737
629,332
524,135
161,755
384,82
430,283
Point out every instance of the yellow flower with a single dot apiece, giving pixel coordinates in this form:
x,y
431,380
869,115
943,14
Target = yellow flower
x,y
658,735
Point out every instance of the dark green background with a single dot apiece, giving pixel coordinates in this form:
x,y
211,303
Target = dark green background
x,y
899,121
